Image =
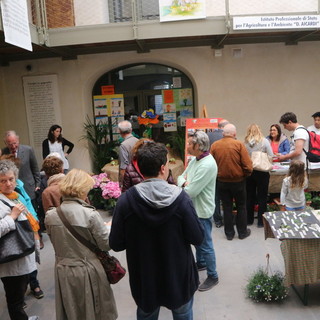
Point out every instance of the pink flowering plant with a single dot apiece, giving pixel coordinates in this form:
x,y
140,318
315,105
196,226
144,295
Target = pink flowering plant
x,y
105,192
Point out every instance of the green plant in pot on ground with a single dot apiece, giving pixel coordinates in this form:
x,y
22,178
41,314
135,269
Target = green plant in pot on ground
x,y
263,287
315,202
177,141
308,197
272,207
101,149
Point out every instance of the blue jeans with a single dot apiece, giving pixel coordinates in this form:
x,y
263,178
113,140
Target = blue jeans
x,y
182,313
33,281
205,252
295,209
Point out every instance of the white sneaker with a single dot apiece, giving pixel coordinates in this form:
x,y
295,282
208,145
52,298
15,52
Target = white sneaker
x,y
34,318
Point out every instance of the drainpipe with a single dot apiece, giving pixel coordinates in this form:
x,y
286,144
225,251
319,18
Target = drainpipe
x,y
228,19
219,45
134,19
43,24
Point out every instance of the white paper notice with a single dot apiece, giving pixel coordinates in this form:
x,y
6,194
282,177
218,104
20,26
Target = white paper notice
x,y
15,23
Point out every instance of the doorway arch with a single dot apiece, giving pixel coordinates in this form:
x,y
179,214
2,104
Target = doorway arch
x,y
149,85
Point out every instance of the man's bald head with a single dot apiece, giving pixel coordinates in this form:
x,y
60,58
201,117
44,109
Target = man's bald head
x,y
229,130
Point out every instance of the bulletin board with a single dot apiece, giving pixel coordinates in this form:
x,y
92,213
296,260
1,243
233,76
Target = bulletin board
x,y
109,108
177,107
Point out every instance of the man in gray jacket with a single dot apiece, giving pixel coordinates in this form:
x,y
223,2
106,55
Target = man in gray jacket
x,y
125,129
29,172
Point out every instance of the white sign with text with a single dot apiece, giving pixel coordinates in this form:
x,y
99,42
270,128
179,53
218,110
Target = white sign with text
x,y
276,22
16,23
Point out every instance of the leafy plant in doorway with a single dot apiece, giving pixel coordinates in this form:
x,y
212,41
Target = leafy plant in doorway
x,y
177,141
101,149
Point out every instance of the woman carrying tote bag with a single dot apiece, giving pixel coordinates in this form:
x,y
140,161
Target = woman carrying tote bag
x,y
14,274
257,184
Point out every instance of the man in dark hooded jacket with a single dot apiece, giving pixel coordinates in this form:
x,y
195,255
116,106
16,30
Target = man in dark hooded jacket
x,y
156,223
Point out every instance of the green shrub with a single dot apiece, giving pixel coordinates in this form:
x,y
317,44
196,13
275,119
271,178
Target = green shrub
x,y
272,207
101,149
315,203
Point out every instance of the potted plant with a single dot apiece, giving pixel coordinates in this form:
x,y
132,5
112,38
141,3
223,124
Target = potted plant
x,y
315,202
105,192
272,207
177,141
308,196
102,148
265,286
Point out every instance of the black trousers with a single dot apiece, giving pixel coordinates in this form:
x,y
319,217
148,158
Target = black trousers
x,y
15,289
230,191
217,217
257,192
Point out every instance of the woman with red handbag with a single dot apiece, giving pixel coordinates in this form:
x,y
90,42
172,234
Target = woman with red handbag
x,y
82,288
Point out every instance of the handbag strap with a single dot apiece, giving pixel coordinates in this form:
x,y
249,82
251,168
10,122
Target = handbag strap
x,y
6,203
81,239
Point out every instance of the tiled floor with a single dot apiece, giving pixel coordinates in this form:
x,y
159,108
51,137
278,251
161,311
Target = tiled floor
x,y
236,260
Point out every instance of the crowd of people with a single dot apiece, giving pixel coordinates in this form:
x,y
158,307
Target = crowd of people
x,y
153,213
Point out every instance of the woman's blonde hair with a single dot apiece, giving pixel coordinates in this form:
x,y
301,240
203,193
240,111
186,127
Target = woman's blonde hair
x,y
297,174
76,184
254,134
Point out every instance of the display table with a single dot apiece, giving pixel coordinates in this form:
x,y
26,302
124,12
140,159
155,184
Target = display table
x,y
301,254
111,171
277,176
176,168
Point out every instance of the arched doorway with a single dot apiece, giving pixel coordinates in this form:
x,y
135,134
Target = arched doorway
x,y
165,90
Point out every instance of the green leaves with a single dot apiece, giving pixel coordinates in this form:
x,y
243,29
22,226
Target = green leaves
x,y
101,148
262,287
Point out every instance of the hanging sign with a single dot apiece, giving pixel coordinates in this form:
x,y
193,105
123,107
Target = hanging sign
x,y
15,23
107,90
